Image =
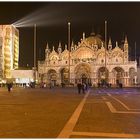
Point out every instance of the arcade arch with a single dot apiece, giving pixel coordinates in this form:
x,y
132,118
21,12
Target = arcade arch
x,y
132,76
64,74
83,73
118,75
103,75
52,76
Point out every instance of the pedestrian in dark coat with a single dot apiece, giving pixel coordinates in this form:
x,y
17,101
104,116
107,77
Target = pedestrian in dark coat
x,y
9,86
83,87
79,86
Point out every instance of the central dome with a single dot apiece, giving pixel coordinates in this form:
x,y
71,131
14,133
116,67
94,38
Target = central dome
x,y
83,53
95,39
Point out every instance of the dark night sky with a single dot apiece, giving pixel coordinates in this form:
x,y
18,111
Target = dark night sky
x,y
52,17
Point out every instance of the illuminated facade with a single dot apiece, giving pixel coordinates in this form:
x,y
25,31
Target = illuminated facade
x,y
89,62
9,50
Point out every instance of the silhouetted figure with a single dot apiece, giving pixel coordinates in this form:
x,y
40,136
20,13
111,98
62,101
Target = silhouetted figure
x,y
86,87
9,86
62,85
51,85
83,87
120,85
79,86
99,85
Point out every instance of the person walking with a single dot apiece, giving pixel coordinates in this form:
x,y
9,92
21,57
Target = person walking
x,y
79,86
83,87
86,87
9,87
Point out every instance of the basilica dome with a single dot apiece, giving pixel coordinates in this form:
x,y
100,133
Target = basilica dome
x,y
83,53
95,39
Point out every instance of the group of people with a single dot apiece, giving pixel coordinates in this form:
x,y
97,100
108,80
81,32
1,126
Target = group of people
x,y
44,85
82,87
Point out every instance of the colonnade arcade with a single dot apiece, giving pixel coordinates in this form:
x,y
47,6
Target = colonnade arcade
x,y
91,74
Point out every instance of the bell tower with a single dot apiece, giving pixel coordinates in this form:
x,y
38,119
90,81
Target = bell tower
x,y
47,51
125,50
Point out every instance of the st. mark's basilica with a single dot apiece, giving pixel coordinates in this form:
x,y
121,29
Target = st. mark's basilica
x,y
91,60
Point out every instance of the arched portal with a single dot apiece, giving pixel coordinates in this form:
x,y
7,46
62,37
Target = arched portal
x,y
118,74
103,75
82,73
64,75
132,76
43,77
52,76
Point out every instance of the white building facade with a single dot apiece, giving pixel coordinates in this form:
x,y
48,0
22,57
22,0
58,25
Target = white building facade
x,y
89,61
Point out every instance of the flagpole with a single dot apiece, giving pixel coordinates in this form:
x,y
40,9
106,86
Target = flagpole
x,y
69,48
135,51
135,77
105,48
34,52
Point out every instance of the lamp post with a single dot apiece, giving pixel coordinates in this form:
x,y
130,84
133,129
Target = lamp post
x,y
69,47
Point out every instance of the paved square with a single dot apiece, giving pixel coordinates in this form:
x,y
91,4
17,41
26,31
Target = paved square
x,y
63,113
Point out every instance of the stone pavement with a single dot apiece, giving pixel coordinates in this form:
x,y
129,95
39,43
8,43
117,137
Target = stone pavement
x,y
62,113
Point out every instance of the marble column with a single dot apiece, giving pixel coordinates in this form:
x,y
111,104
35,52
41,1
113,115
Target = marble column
x,y
59,78
135,79
110,77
